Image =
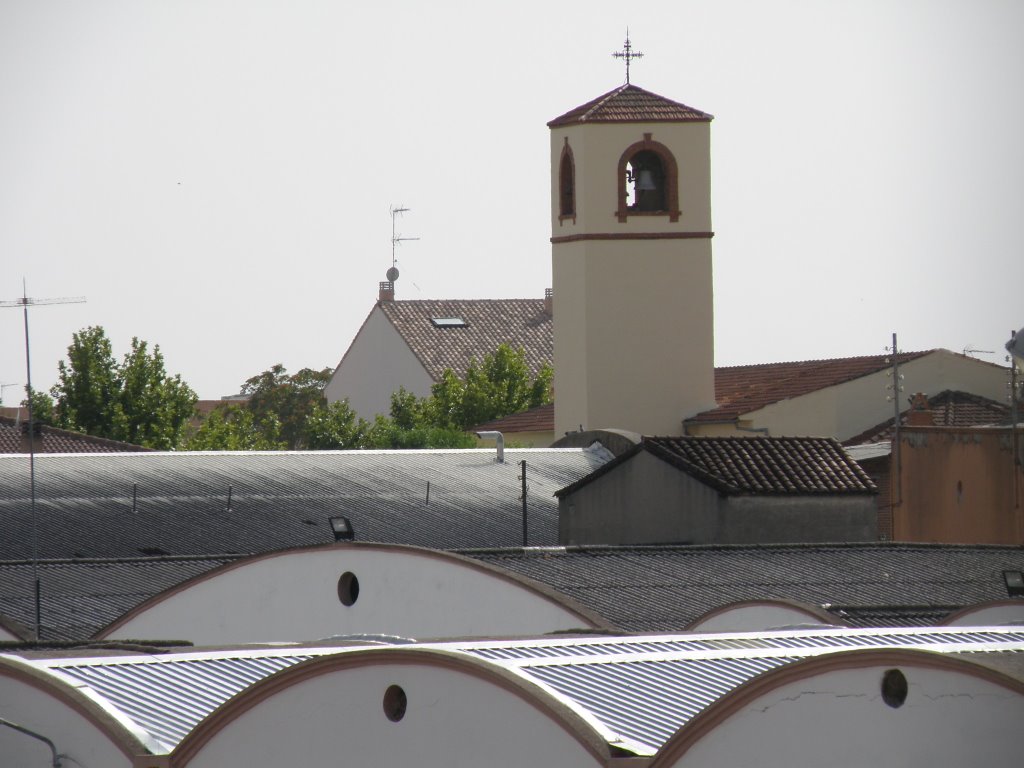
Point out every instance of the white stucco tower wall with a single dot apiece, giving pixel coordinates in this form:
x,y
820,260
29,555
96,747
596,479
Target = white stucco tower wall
x,y
632,280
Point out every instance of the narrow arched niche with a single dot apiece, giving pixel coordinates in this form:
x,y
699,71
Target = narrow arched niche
x,y
567,184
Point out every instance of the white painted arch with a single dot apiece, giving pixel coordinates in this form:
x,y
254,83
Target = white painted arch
x,y
831,710
301,594
337,710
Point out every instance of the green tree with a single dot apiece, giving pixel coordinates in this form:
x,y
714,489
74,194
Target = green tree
x,y
233,428
335,427
290,399
42,407
86,387
134,401
498,386
152,408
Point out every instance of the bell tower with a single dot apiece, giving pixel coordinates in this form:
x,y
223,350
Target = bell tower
x,y
631,263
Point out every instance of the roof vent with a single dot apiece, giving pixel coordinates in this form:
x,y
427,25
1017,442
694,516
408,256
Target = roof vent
x,y
499,438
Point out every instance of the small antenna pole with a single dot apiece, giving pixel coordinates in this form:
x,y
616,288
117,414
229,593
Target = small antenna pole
x,y
396,238
25,302
627,54
896,489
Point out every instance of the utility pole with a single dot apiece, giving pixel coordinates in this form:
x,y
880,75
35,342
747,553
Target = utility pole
x,y
896,491
25,302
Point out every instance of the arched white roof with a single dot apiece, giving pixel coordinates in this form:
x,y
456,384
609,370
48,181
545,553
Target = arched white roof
x,y
579,697
351,589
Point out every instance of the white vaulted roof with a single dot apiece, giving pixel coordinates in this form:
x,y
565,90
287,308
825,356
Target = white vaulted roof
x,y
636,692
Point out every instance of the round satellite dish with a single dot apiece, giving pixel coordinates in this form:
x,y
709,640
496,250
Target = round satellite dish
x,y
392,273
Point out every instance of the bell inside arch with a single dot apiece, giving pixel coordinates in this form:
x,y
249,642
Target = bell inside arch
x,y
645,182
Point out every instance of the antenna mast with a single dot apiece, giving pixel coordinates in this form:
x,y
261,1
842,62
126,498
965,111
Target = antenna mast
x,y
396,238
25,302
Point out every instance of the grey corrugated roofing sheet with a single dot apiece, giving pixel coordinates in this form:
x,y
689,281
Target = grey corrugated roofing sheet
x,y
665,588
78,597
636,696
635,589
124,505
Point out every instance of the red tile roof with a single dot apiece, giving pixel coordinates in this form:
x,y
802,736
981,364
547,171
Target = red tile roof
x,y
949,408
489,322
539,419
53,440
744,388
630,104
754,465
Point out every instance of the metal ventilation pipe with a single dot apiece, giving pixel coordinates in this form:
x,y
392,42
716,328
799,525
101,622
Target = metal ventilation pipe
x,y
500,438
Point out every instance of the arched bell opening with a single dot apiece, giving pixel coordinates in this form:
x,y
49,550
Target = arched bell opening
x,y
648,181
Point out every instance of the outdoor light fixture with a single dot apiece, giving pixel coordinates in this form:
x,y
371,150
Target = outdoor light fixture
x,y
1014,583
341,527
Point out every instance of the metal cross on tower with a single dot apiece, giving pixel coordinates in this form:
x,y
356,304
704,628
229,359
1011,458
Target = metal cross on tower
x,y
628,54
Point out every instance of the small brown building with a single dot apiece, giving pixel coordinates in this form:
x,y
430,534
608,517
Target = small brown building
x,y
722,490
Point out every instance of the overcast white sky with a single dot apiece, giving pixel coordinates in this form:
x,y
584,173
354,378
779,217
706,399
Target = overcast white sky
x,y
215,177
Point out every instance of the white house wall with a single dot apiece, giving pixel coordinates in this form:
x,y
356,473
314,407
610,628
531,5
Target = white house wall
x,y
337,719
847,409
377,364
294,596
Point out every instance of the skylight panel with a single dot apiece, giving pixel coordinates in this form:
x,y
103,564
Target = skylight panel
x,y
449,322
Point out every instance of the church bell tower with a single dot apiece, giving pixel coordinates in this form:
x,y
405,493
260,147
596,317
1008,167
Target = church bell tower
x,y
631,262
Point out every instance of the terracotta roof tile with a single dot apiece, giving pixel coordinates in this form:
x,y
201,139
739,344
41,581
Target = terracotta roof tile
x,y
489,322
949,408
753,465
744,388
776,465
52,440
539,419
630,104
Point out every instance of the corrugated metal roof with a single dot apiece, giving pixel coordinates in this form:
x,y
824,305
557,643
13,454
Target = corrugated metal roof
x,y
665,588
167,696
636,691
123,505
635,589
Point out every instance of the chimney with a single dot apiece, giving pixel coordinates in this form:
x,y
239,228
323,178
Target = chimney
x,y
387,291
37,436
549,301
920,414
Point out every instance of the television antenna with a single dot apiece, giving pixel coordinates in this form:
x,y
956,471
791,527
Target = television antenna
x,y
6,386
25,302
396,239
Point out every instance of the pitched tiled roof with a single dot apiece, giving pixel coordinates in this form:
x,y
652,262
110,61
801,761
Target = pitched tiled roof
x,y
754,465
539,419
655,589
630,104
124,505
744,388
53,440
773,465
949,408
489,322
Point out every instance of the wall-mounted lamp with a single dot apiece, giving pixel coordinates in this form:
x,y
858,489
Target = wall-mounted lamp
x,y
1014,583
500,438
342,529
